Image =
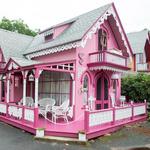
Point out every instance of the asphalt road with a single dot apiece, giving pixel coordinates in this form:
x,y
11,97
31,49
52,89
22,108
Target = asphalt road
x,y
129,137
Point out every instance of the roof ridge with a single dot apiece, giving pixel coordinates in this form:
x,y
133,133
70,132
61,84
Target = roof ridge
x,y
12,32
138,31
73,19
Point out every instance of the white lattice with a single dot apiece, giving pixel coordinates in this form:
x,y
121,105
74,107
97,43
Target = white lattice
x,y
100,118
15,112
3,108
29,115
139,110
123,113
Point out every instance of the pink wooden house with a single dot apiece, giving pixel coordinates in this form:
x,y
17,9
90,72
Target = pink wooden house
x,y
66,80
140,43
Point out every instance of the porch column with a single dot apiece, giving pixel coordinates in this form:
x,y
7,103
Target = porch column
x,y
37,75
24,73
8,88
24,91
36,91
73,89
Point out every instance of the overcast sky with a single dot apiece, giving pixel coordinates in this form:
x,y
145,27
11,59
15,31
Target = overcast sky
x,y
41,14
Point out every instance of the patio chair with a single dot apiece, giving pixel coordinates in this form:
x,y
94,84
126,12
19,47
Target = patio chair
x,y
122,100
61,111
45,106
29,102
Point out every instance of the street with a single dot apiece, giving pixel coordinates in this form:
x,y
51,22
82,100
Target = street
x,y
128,137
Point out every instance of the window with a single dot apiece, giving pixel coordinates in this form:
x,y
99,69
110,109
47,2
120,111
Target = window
x,y
140,58
48,37
55,85
85,90
102,40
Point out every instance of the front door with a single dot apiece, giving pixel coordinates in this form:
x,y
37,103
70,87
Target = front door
x,y
102,101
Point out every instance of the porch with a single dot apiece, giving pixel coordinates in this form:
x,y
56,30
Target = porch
x,y
92,124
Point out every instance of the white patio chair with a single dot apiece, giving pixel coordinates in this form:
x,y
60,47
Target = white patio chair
x,y
122,99
60,111
29,102
45,106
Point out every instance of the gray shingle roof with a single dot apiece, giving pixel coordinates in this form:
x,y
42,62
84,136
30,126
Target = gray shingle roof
x,y
137,40
13,44
79,26
24,62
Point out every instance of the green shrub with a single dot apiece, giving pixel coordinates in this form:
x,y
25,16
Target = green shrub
x,y
136,87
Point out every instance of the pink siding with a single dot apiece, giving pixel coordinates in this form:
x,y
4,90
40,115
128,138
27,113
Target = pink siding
x,y
59,30
112,43
18,91
92,46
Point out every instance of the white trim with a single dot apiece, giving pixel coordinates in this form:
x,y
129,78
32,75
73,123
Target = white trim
x,y
36,91
107,68
54,50
8,88
24,91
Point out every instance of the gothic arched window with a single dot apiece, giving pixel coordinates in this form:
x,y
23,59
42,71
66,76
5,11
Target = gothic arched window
x,y
102,40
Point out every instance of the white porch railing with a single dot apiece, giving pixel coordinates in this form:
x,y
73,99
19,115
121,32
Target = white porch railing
x,y
143,67
15,111
18,112
3,108
29,114
108,57
113,115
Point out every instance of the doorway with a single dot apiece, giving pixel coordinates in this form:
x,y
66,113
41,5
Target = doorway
x,y
102,101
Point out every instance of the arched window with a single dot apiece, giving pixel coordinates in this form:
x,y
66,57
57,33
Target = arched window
x,y
102,40
85,90
85,82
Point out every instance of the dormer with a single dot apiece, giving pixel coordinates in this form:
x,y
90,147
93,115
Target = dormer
x,y
48,35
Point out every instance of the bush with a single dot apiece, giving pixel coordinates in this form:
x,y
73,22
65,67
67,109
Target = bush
x,y
136,87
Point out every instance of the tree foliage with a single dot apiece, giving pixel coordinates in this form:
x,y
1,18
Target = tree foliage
x,y
136,87
16,26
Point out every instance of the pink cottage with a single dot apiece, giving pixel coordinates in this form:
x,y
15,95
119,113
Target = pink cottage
x,y
65,82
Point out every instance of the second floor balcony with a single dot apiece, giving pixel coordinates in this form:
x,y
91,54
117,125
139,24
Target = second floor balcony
x,y
143,67
107,59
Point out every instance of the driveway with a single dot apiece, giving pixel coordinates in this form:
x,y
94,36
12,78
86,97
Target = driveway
x,y
126,138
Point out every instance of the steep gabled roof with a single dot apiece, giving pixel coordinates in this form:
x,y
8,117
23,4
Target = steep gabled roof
x,y
13,44
79,26
138,40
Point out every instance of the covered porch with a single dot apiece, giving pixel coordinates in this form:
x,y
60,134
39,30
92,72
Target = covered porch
x,y
94,124
58,81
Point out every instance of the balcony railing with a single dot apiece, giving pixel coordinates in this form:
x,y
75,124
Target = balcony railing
x,y
108,57
143,67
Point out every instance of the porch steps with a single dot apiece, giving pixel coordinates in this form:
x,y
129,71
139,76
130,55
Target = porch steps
x,y
60,139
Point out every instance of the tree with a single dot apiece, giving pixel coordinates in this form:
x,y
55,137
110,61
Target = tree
x,y
136,87
16,26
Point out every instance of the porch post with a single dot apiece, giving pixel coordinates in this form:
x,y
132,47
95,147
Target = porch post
x,y
73,89
24,86
73,94
8,88
36,91
37,75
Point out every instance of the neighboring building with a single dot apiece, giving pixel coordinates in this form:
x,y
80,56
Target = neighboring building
x,y
140,44
76,66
